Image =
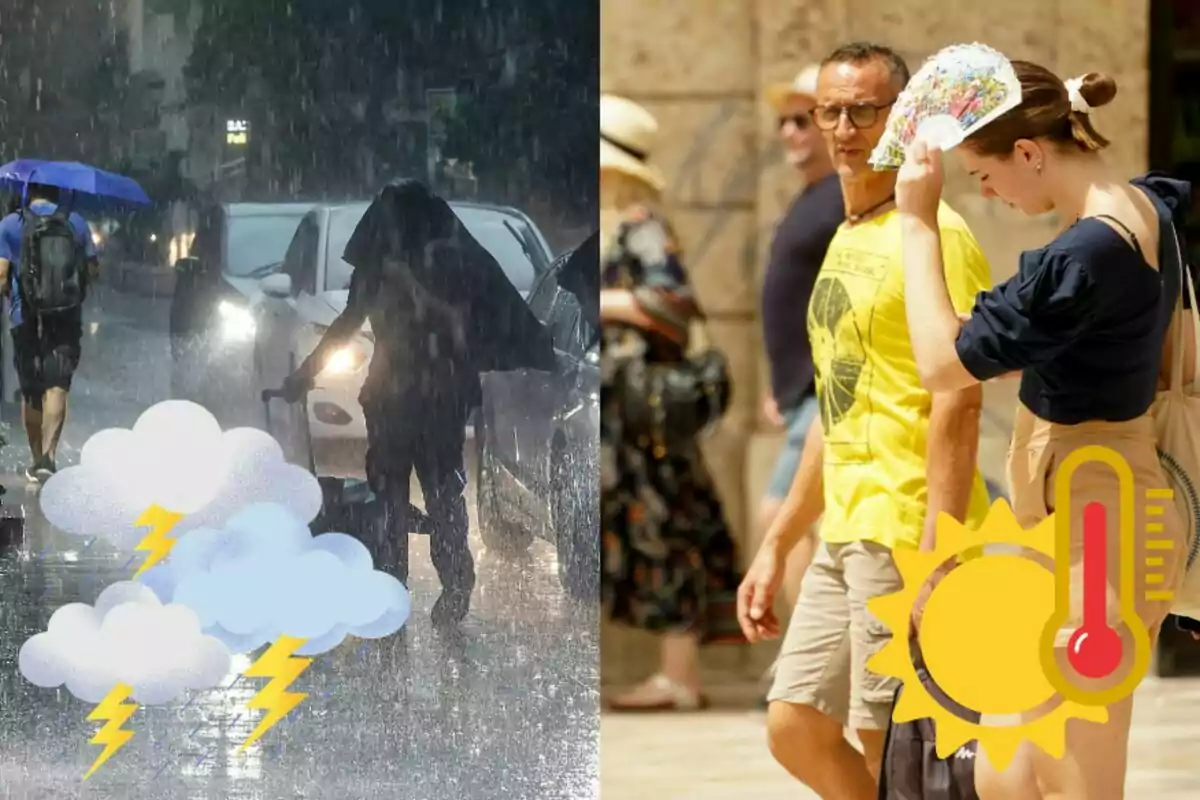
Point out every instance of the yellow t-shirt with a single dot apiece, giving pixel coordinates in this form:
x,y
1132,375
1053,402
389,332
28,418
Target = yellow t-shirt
x,y
874,411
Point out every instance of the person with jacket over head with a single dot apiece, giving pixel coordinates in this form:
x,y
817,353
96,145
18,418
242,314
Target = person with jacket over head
x,y
441,311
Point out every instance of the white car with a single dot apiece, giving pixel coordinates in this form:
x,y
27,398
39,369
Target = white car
x,y
300,301
538,445
212,325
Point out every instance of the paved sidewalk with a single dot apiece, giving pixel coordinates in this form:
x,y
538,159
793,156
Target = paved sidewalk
x,y
717,755
722,754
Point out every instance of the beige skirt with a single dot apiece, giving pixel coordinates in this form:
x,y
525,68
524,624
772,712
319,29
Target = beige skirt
x,y
1039,449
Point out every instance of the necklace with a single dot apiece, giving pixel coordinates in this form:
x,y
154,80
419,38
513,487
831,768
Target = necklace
x,y
854,219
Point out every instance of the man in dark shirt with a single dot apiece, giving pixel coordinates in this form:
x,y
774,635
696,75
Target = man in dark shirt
x,y
797,251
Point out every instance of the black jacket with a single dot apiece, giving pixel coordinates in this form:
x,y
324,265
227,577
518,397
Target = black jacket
x,y
442,310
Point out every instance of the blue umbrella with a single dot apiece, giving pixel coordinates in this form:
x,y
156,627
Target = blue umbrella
x,y
90,185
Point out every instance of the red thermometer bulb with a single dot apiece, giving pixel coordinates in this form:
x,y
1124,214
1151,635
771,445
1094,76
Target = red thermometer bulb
x,y
1095,648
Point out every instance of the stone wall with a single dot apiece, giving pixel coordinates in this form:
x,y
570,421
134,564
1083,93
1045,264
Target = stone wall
x,y
700,65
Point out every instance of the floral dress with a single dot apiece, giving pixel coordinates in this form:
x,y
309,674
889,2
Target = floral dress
x,y
668,561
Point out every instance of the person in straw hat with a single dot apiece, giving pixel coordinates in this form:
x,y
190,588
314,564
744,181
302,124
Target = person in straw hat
x,y
627,178
669,564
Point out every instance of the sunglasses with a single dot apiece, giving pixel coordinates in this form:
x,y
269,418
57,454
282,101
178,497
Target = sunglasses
x,y
861,115
801,121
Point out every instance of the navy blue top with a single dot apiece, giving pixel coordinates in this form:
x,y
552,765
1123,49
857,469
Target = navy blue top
x,y
797,252
1084,318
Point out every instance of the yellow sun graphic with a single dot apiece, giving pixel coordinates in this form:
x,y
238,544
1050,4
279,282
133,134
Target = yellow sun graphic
x,y
980,635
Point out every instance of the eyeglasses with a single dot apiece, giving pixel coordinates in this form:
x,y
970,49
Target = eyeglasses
x,y
801,121
861,115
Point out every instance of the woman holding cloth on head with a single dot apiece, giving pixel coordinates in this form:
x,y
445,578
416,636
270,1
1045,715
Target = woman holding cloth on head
x,y
1083,323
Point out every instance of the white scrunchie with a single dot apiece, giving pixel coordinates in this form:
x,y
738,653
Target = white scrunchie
x,y
1075,92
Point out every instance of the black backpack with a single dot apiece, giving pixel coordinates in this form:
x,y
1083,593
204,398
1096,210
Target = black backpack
x,y
53,269
911,768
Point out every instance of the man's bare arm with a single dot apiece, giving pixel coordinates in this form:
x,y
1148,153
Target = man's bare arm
x,y
805,501
950,456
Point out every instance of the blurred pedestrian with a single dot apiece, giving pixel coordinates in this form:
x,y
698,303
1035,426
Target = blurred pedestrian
x,y
47,258
884,459
1084,322
669,564
796,254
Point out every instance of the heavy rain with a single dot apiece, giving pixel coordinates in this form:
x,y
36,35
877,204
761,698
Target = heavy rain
x,y
345,225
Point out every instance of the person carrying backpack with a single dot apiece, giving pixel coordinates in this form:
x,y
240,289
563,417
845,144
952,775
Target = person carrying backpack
x,y
47,257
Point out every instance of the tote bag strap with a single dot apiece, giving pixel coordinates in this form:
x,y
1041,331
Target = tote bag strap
x,y
1194,312
1176,330
1175,325
1179,329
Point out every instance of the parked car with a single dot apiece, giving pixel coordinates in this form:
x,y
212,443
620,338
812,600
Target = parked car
x,y
302,299
212,322
538,440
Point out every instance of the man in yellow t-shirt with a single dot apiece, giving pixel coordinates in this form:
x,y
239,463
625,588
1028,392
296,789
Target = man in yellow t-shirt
x,y
884,459
875,416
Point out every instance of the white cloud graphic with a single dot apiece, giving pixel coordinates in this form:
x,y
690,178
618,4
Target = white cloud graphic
x,y
127,637
177,457
264,575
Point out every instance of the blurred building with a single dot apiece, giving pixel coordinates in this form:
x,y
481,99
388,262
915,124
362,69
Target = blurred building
x,y
159,43
700,67
51,106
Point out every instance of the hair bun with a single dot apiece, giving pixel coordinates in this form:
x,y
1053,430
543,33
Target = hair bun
x,y
1098,89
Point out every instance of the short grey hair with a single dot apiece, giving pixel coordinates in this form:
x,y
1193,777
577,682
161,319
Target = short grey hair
x,y
862,52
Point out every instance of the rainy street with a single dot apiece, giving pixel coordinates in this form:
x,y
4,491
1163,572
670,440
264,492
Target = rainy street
x,y
507,708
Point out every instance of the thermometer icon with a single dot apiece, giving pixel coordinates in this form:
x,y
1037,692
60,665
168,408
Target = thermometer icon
x,y
1095,648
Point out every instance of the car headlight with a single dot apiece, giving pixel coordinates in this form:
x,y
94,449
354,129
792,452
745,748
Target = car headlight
x,y
345,360
237,323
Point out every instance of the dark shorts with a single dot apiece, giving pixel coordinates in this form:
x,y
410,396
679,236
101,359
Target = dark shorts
x,y
46,356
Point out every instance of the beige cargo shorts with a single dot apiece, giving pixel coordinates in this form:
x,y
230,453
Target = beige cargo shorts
x,y
823,660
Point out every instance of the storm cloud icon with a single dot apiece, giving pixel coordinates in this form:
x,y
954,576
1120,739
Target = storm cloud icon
x,y
128,637
264,575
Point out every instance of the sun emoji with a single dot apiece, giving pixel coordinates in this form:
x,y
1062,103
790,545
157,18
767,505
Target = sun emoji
x,y
980,635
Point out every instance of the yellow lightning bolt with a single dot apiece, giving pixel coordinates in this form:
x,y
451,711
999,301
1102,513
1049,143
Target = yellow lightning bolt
x,y
278,665
114,712
156,541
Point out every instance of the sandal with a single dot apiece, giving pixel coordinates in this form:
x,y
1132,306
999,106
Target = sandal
x,y
657,695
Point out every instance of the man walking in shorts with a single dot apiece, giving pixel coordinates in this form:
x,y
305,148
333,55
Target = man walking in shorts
x,y
883,459
46,344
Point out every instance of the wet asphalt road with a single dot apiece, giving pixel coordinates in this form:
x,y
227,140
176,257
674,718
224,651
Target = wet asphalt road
x,y
507,708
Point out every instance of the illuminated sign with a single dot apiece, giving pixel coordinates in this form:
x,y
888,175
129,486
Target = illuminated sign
x,y
237,131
